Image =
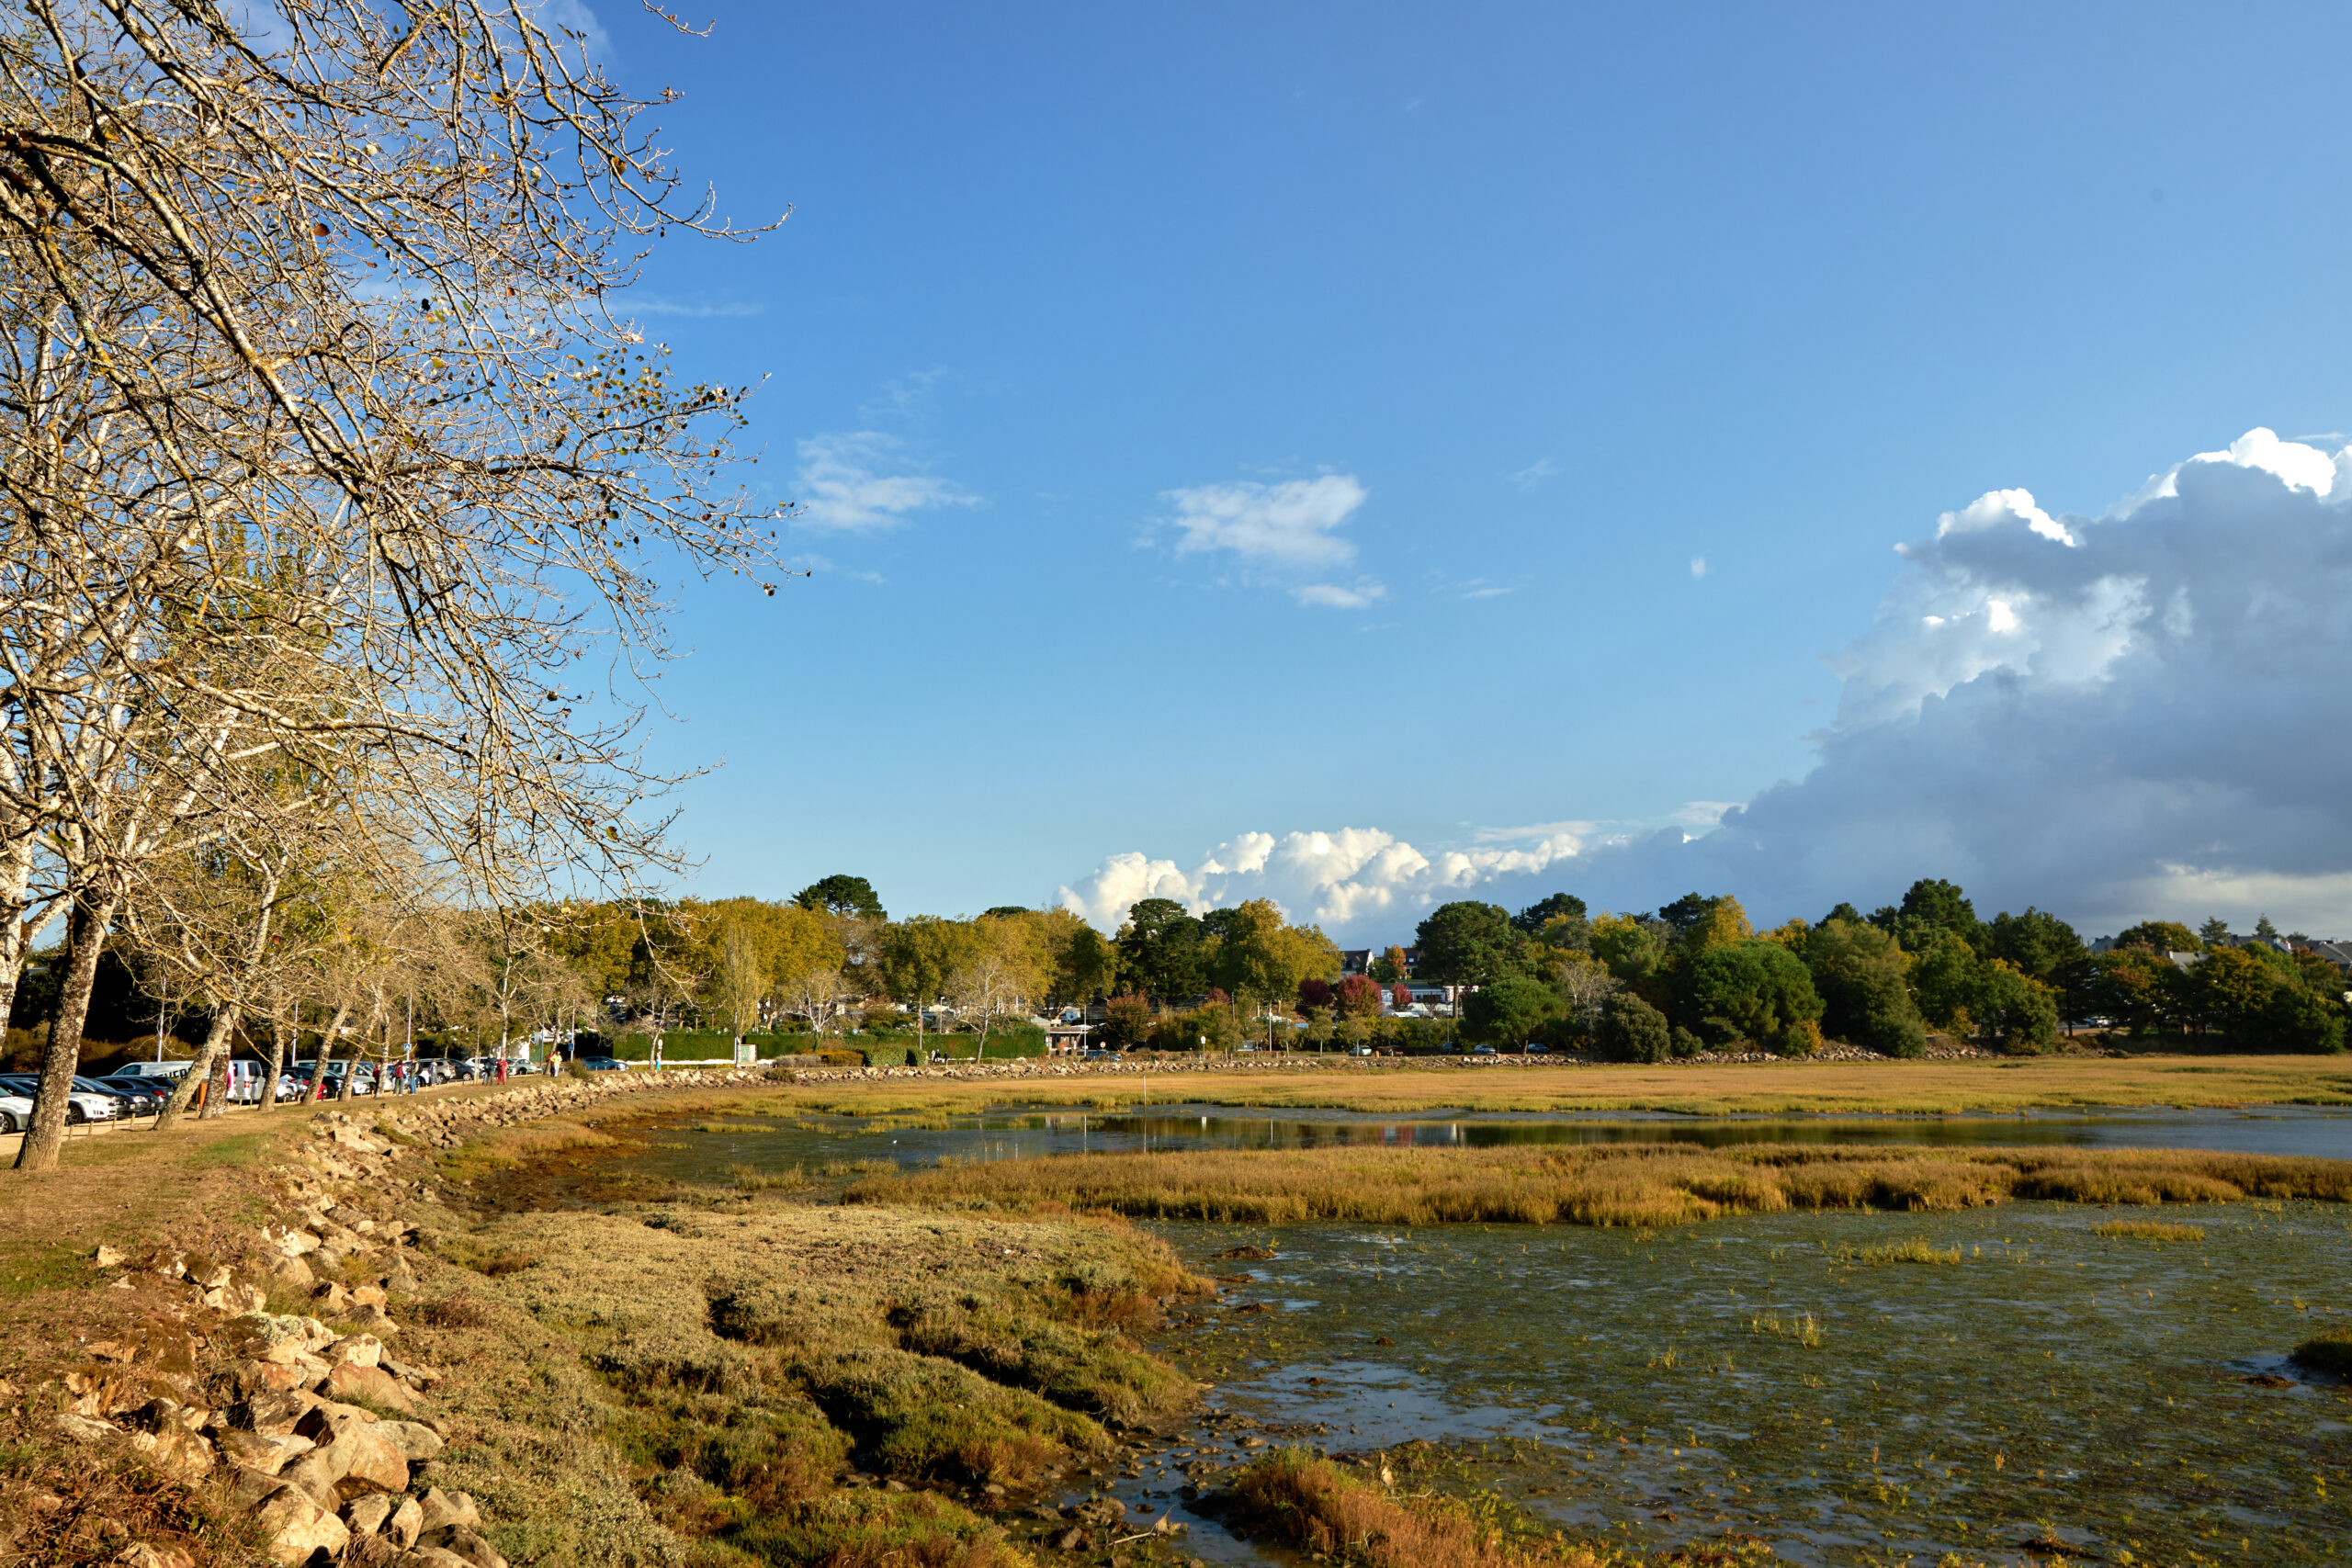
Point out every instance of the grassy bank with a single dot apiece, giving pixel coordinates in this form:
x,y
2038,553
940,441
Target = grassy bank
x,y
1594,1184
1924,1088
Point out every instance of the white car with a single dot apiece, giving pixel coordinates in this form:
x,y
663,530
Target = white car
x,y
79,1108
16,1112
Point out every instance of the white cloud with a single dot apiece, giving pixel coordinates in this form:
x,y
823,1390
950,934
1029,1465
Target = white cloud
x,y
1332,596
1698,566
2133,715
1287,524
1534,474
860,480
1352,876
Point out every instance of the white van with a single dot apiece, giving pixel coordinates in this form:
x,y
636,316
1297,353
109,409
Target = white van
x,y
244,1077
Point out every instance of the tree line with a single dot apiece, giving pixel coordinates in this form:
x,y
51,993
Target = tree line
x,y
1695,975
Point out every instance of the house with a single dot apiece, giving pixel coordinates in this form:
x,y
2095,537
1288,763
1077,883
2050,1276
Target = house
x,y
1067,1039
1356,961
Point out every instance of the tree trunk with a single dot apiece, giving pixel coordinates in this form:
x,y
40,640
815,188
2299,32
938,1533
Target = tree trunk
x,y
326,1044
85,935
215,1041
16,932
277,1033
216,1102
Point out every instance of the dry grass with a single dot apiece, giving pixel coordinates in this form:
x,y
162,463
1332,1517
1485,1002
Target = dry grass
x,y
1384,1086
2148,1230
1324,1509
1596,1184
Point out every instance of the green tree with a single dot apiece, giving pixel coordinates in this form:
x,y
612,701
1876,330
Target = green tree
x,y
1631,947
841,895
1260,957
1160,950
2132,986
2013,1010
1126,1020
1469,943
1755,990
1931,908
1865,992
2264,928
2036,944
1943,979
1633,1031
2160,936
2297,1019
1564,906
1390,967
2215,932
1511,1011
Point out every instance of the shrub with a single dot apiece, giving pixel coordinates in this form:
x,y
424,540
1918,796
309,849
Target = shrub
x,y
2012,1011
2330,1352
1633,1031
1755,990
1509,1012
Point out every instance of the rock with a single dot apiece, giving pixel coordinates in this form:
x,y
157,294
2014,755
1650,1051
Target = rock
x,y
405,1519
255,1375
365,1515
369,1295
294,1244
86,1429
332,1299
373,1320
176,1452
266,1456
402,1278
441,1510
431,1557
215,1277
416,1440
298,1528
352,1381
358,1349
139,1554
108,1258
293,1270
370,1460
251,1488
411,1372
328,1258
314,1475
272,1413
467,1546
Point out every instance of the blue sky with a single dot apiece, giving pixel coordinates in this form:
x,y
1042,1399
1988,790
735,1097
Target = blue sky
x,y
1284,419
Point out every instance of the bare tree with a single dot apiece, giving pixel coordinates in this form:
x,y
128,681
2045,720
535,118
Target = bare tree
x,y
329,312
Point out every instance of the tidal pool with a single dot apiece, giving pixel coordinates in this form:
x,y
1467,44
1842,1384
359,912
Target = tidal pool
x,y
1785,1378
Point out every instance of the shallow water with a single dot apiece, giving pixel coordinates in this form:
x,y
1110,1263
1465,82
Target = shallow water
x,y
1020,1132
2051,1385
1658,1388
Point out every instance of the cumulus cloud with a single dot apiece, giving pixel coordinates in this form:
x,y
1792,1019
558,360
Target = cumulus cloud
x,y
1350,877
863,479
1290,524
2140,715
2137,715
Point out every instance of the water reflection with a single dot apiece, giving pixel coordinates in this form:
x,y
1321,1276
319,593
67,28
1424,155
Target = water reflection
x,y
710,1151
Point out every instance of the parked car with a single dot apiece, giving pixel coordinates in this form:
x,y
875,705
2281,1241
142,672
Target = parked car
x,y
16,1112
1484,1051
1360,1051
602,1064
173,1070
134,1095
1539,1050
79,1107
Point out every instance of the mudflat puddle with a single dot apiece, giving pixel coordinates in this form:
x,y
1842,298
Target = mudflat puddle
x,y
711,1150
1801,1379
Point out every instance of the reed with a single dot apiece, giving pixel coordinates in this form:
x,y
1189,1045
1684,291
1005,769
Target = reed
x,y
1615,1185
2148,1230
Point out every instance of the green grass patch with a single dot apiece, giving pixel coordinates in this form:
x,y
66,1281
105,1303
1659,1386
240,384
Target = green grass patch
x,y
2148,1230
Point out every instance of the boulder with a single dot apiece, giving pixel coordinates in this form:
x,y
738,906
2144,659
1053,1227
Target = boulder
x,y
431,1557
418,1441
298,1529
272,1413
108,1258
402,1526
373,1320
86,1428
252,1376
352,1381
359,1349
176,1452
365,1515
467,1546
369,1459
440,1510
267,1456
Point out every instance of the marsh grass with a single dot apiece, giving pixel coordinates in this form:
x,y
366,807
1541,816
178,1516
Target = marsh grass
x,y
1325,1510
1921,1089
1803,1328
1912,1249
2328,1352
2148,1230
1616,1184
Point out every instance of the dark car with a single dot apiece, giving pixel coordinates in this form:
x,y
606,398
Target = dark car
x,y
137,1096
602,1064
